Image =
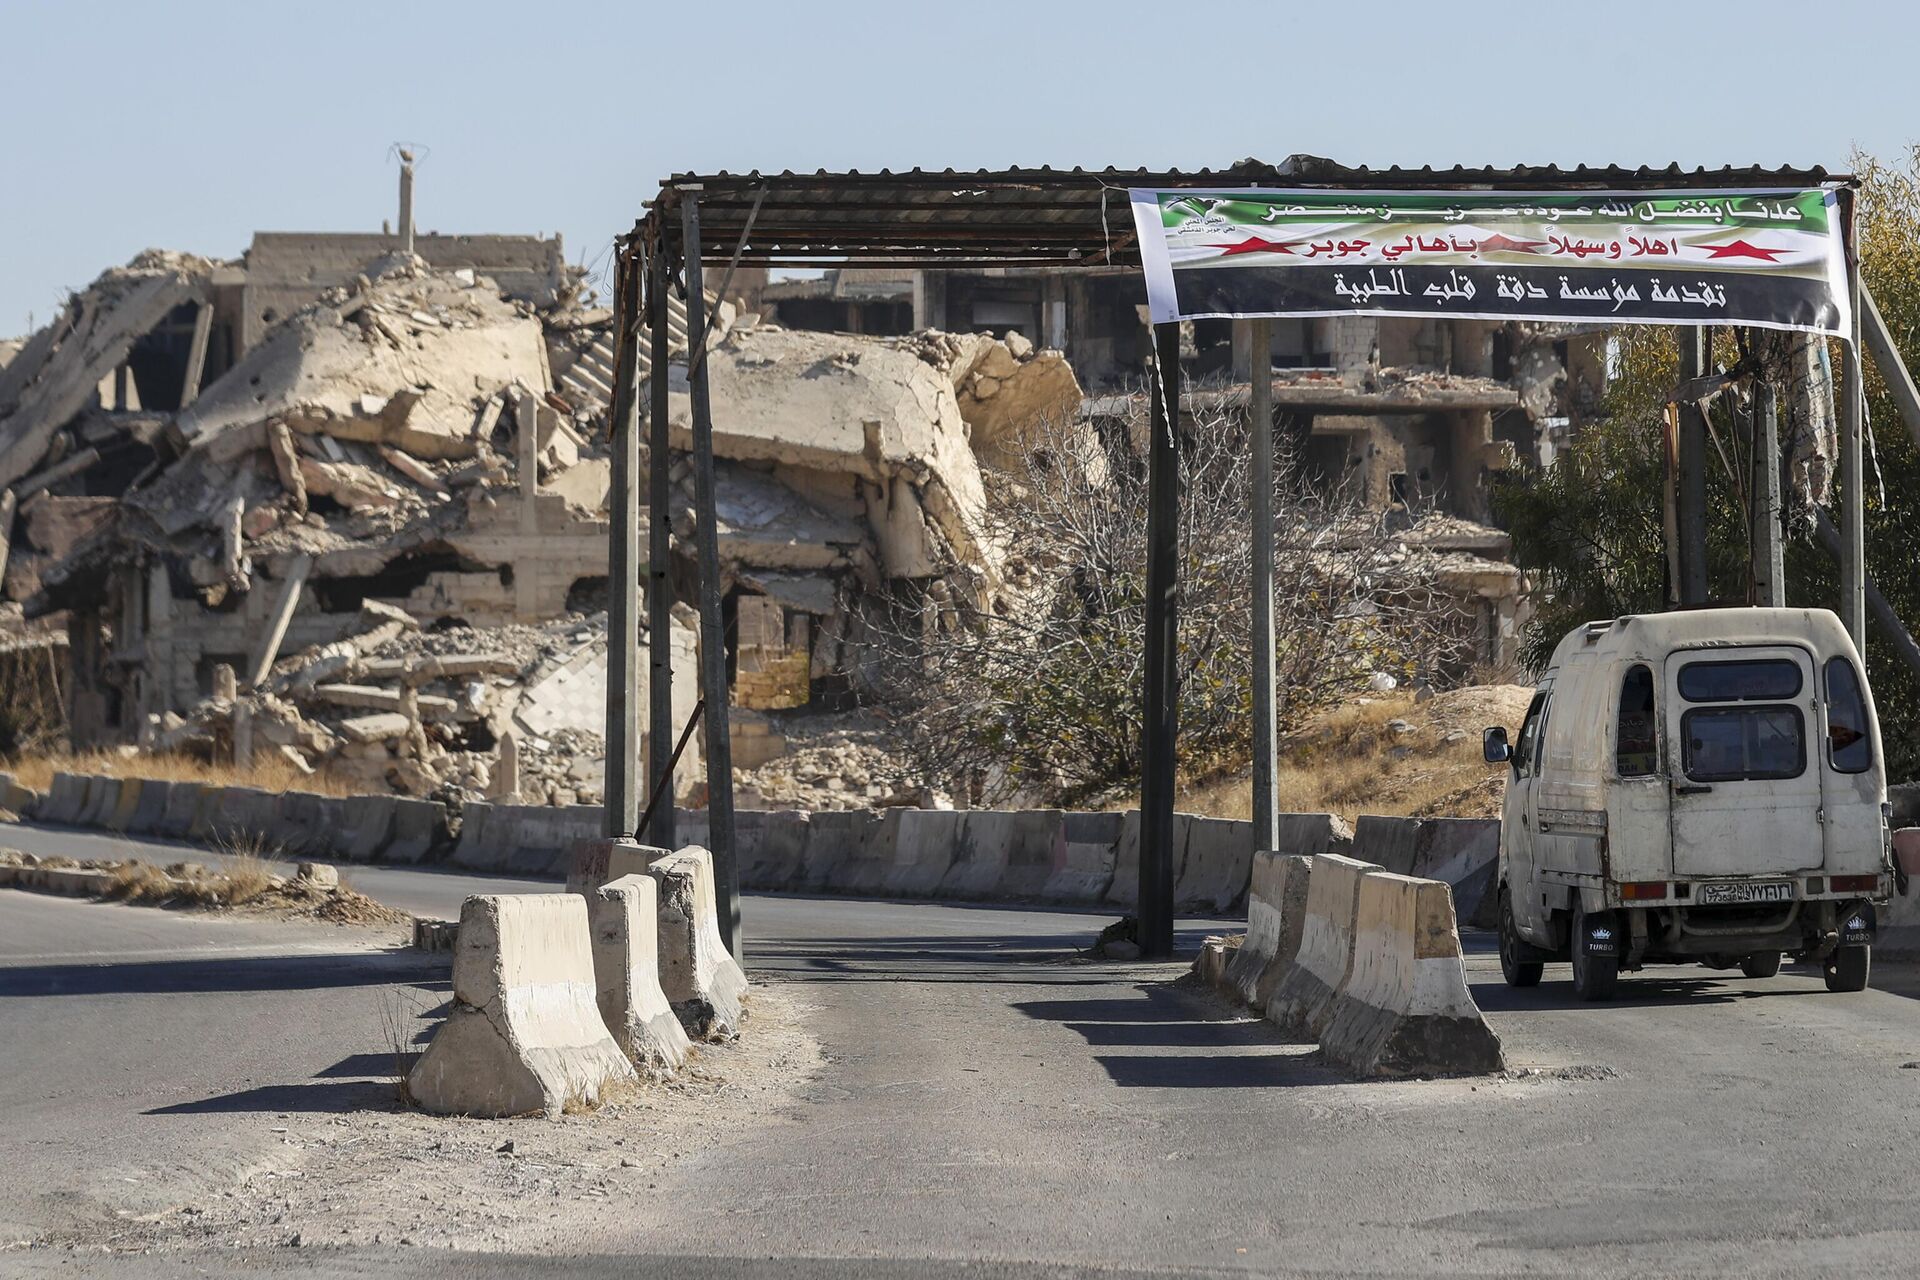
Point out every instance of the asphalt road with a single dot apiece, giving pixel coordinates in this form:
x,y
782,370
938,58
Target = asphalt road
x,y
994,1109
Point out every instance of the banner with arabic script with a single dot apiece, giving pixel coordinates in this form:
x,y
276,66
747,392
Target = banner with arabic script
x,y
1768,258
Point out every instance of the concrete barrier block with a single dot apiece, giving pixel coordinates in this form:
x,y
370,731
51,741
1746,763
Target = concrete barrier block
x,y
1035,850
103,795
126,803
524,1033
366,824
476,847
1312,834
625,919
1276,912
836,839
150,810
980,859
1089,844
1304,997
18,798
1213,863
1123,890
597,860
183,804
303,822
66,798
702,981
242,815
1463,852
419,828
924,842
778,861
1405,1008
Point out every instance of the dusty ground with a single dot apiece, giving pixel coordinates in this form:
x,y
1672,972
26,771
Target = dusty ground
x,y
383,1174
1388,754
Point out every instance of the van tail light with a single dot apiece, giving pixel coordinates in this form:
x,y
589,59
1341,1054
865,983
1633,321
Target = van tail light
x,y
1643,890
1855,884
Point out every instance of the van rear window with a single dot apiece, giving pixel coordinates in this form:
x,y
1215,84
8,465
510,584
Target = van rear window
x,y
1755,680
1734,744
1849,736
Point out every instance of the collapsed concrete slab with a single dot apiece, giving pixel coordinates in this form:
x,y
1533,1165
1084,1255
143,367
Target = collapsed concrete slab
x,y
524,1033
702,981
1405,1008
626,966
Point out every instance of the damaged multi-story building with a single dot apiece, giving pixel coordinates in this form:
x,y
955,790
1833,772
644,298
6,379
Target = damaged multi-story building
x,y
347,503
1404,415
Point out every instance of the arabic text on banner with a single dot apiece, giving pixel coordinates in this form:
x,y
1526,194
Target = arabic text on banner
x,y
1769,258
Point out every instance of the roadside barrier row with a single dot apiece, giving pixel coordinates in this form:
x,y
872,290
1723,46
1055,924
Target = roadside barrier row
x,y
1363,960
558,997
1038,855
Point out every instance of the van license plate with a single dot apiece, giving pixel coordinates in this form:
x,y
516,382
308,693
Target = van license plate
x,y
1728,892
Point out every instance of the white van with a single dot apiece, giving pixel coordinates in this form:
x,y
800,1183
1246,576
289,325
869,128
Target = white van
x,y
1700,787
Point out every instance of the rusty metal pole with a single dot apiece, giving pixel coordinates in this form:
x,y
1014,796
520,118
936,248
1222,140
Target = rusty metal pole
x,y
660,828
713,638
623,570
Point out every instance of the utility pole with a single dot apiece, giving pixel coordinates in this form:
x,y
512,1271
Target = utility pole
x,y
1690,499
1160,730
1266,797
1853,516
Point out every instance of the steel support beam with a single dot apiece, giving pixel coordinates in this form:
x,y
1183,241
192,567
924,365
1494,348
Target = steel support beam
x,y
713,636
1266,796
1853,523
1886,357
1690,495
623,573
1160,729
660,727
1764,549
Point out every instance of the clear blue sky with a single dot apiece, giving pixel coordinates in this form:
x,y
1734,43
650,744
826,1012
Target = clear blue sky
x,y
190,125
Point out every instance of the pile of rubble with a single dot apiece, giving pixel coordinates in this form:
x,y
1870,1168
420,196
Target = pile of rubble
x,y
370,535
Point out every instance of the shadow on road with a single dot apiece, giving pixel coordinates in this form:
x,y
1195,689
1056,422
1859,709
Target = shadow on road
x,y
1632,993
335,1097
226,973
1207,1046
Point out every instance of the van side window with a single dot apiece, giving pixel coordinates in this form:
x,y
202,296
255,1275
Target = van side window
x,y
1527,746
1849,737
1636,751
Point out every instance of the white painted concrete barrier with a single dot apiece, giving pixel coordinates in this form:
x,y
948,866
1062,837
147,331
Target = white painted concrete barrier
x,y
1303,999
1405,1008
626,967
525,1032
702,981
1276,915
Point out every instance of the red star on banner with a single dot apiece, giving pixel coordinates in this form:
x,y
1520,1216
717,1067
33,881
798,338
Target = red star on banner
x,y
1253,244
1507,244
1741,249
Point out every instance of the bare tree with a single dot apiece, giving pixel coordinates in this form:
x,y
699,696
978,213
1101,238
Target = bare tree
x,y
1040,697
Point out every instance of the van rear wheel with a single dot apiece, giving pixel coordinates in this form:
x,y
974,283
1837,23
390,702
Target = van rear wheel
x,y
1761,964
1847,968
1517,972
1596,957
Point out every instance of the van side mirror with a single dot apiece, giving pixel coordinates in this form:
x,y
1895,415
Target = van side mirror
x,y
1494,745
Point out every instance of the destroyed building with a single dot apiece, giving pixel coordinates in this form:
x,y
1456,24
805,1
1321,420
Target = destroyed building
x,y
1416,416
340,503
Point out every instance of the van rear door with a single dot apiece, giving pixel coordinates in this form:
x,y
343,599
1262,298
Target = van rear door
x,y
1742,764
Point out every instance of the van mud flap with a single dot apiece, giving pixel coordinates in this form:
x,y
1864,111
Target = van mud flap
x,y
1858,925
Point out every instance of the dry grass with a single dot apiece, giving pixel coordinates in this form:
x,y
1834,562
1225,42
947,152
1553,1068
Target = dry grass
x,y
139,882
272,772
1358,759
